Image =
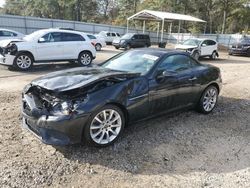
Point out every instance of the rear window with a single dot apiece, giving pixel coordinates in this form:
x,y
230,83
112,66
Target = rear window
x,y
91,36
72,37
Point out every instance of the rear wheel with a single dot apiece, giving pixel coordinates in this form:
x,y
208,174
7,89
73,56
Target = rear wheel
x,y
116,47
105,126
85,58
248,52
208,100
98,47
23,61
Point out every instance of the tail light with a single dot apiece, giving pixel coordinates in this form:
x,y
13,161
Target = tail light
x,y
93,44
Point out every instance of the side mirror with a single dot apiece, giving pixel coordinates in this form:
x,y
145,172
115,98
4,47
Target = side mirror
x,y
163,74
41,40
203,45
133,38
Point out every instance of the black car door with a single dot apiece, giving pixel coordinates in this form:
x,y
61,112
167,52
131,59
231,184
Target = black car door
x,y
172,85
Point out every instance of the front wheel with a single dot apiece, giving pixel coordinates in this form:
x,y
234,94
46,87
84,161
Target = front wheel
x,y
104,126
23,61
213,56
196,55
85,58
208,100
128,47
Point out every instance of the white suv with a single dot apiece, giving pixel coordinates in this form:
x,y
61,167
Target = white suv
x,y
109,36
45,46
200,47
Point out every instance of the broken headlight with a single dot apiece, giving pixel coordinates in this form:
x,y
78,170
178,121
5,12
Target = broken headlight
x,y
67,107
62,108
11,49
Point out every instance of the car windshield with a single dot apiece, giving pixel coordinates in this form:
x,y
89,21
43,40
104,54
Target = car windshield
x,y
193,42
133,61
127,36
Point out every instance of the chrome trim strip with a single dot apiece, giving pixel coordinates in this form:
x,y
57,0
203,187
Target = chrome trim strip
x,y
140,96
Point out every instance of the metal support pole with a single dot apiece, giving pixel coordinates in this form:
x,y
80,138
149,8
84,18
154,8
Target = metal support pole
x,y
170,32
162,30
170,28
179,29
144,25
205,28
158,29
127,25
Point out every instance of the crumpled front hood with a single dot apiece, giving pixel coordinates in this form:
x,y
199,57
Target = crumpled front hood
x,y
77,77
184,47
4,43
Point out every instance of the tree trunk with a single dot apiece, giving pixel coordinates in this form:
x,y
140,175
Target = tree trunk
x,y
224,21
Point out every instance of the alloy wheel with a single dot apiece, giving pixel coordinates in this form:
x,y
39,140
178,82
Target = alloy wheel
x,y
98,47
105,126
23,62
213,55
85,59
210,99
196,55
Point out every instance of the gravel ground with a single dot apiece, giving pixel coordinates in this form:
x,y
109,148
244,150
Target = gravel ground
x,y
185,149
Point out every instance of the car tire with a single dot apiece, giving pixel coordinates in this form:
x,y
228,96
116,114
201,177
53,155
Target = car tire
x,y
214,55
208,100
104,126
116,47
196,55
98,47
85,58
128,47
248,52
23,61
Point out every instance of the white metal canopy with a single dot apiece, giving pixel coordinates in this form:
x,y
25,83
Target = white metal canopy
x,y
150,15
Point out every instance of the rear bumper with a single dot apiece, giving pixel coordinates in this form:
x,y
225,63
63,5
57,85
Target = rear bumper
x,y
7,59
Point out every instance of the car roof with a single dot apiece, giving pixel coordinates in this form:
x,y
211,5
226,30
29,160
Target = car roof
x,y
3,29
202,39
162,51
61,30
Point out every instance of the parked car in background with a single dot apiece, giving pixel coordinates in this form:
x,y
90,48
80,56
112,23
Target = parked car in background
x,y
45,46
132,40
242,47
200,48
10,34
98,41
109,36
93,104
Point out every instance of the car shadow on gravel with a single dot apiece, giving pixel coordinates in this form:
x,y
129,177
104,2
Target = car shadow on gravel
x,y
179,143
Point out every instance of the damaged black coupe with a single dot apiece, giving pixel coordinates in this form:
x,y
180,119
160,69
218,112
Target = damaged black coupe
x,y
94,104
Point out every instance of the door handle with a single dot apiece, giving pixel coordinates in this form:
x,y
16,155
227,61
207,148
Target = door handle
x,y
192,79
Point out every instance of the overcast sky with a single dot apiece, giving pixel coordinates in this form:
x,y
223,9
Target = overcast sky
x,y
2,3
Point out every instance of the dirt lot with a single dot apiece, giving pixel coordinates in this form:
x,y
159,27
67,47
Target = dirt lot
x,y
180,150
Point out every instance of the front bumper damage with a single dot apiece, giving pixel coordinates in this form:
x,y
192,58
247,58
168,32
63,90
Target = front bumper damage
x,y
52,130
7,59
